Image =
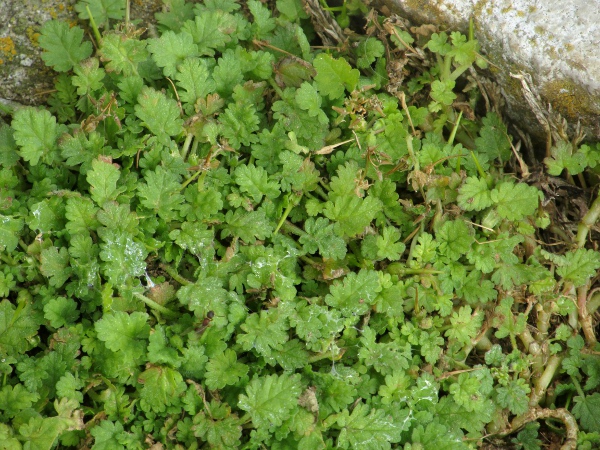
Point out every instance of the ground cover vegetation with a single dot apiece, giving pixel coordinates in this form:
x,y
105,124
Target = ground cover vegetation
x,y
248,228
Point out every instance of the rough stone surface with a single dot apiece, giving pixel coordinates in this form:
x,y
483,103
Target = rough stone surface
x,y
23,76
554,41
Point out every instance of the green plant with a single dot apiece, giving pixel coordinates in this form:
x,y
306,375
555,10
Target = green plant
x,y
222,237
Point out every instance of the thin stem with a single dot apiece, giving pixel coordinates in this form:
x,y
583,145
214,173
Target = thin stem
x,y
585,319
173,274
152,304
94,26
588,222
186,146
560,414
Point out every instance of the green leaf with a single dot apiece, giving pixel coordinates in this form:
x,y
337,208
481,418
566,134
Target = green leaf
x,y
309,100
321,236
442,92
488,255
514,396
88,77
36,132
171,49
438,43
388,246
369,429
587,410
14,399
8,147
528,437
203,296
40,433
55,265
162,387
455,239
161,193
63,45
126,333
103,181
562,157
291,9
194,237
248,226
10,229
122,54
515,201
175,13
254,181
212,30
193,77
17,326
109,436
81,215
159,114
263,333
493,138
368,51
61,311
263,22
507,323
474,195
465,325
333,75
352,214
463,51
224,370
101,10
355,295
271,399
123,257
579,266
240,122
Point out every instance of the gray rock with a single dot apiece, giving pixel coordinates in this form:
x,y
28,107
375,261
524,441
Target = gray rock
x,y
553,41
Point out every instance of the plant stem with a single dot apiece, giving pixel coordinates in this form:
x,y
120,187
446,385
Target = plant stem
x,y
152,304
94,26
173,274
560,414
543,381
585,319
400,269
588,222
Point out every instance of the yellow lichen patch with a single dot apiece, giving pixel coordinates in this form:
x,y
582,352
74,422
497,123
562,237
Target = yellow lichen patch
x,y
33,36
7,48
569,99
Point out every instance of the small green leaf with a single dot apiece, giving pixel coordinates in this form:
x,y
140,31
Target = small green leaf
x,y
515,201
171,49
159,114
355,295
122,332
333,75
224,370
36,132
55,265
10,229
103,181
455,239
579,266
271,399
63,45
474,195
